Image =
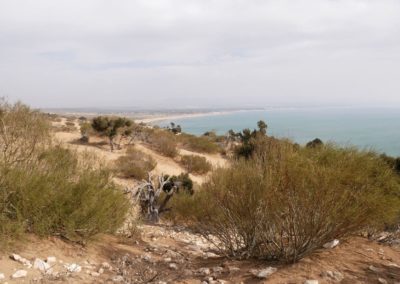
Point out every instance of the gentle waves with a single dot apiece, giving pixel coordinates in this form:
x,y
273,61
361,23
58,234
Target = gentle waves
x,y
368,128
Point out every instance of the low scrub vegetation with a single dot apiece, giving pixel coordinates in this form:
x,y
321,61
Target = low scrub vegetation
x,y
163,142
286,201
202,144
195,164
135,164
48,190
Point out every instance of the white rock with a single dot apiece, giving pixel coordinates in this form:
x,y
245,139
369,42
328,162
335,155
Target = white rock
x,y
331,244
334,275
73,267
167,259
374,269
217,269
204,271
2,276
106,265
22,260
210,255
173,266
94,274
311,282
101,270
51,259
41,265
263,273
118,279
382,281
19,274
233,269
392,264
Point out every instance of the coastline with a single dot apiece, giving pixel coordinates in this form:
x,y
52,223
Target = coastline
x,y
164,117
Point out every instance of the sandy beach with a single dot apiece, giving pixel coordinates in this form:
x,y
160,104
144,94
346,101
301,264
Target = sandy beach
x,y
155,118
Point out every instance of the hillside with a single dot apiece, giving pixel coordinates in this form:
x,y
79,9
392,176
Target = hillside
x,y
166,253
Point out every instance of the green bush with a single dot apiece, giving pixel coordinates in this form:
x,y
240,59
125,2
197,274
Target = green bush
x,y
135,164
195,164
48,190
202,144
288,201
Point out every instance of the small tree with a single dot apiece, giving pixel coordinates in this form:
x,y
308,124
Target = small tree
x,y
110,127
315,143
85,132
176,129
262,127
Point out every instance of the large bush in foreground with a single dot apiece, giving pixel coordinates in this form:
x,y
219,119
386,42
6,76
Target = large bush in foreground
x,y
48,190
286,202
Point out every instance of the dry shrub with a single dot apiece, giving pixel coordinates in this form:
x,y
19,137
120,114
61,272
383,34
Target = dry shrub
x,y
195,164
288,201
163,142
202,144
135,164
48,190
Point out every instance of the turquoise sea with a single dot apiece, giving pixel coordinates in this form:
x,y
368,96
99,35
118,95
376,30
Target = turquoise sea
x,y
371,128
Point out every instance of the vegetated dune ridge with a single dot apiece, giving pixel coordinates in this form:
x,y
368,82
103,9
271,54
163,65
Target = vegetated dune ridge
x,y
171,254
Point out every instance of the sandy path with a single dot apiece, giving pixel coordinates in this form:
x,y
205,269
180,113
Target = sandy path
x,y
165,165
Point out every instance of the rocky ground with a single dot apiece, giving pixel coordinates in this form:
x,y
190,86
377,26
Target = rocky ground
x,y
170,254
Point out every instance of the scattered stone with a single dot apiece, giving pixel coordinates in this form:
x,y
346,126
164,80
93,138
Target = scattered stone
x,y
204,271
41,265
217,269
51,259
311,282
331,244
2,276
22,260
233,269
19,274
374,269
210,255
334,275
147,257
263,273
383,236
73,267
94,274
101,271
173,266
118,279
187,272
392,264
106,265
382,281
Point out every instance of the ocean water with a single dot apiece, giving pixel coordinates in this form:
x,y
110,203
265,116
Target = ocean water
x,y
367,128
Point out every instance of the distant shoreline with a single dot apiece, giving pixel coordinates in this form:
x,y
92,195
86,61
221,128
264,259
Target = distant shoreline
x,y
164,117
151,117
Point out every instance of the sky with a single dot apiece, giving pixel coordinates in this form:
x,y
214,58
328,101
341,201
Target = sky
x,y
200,54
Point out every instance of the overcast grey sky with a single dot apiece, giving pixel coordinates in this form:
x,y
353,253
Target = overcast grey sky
x,y
201,53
